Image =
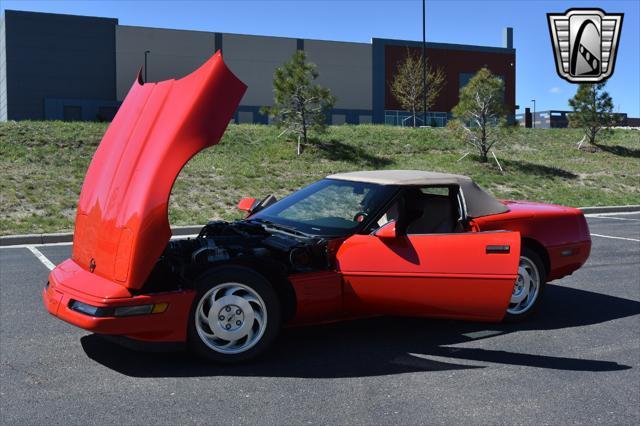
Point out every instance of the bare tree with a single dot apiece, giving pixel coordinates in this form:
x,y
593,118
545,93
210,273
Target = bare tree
x,y
408,85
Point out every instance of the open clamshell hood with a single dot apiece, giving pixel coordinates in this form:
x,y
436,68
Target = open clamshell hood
x,y
122,222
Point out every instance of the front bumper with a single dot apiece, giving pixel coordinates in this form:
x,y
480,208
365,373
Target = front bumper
x,y
68,282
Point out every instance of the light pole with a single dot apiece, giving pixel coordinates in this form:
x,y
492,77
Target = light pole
x,y
424,65
533,121
146,52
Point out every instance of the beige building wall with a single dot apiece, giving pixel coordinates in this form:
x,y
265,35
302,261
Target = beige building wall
x,y
345,68
254,60
174,53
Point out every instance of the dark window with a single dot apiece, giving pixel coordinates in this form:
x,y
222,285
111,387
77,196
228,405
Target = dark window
x,y
464,78
72,113
106,113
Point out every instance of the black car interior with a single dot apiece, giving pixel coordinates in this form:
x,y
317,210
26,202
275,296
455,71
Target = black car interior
x,y
426,211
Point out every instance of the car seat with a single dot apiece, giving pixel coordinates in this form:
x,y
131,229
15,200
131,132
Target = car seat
x,y
435,217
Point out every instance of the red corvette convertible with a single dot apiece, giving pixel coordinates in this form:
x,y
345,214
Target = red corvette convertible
x,y
390,242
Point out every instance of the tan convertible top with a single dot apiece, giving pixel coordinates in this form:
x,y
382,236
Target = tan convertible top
x,y
478,202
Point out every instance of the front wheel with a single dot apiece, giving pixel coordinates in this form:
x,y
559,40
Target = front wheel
x,y
235,316
527,290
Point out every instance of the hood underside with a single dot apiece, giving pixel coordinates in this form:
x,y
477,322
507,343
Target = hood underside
x,y
122,222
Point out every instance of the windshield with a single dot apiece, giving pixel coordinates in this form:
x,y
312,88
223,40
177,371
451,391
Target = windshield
x,y
328,207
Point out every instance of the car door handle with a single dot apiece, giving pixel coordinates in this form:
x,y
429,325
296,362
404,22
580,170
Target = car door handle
x,y
498,249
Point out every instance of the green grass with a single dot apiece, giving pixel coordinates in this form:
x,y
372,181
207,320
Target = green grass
x,y
43,165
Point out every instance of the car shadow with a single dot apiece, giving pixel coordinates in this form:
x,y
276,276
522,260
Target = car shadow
x,y
387,345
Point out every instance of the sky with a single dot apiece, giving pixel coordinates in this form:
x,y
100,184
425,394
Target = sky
x,y
464,22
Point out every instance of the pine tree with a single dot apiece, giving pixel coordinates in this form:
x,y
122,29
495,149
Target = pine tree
x,y
299,104
592,110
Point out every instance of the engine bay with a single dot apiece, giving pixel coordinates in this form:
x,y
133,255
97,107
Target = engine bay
x,y
240,242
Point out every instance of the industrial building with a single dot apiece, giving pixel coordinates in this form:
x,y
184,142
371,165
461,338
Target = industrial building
x,y
64,67
556,119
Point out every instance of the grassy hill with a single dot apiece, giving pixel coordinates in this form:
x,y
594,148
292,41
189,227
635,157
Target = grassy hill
x,y
43,165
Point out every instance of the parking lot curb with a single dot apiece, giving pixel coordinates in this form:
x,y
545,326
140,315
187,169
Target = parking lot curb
x,y
67,237
177,231
611,209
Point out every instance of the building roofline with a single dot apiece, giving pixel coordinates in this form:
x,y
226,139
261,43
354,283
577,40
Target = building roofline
x,y
243,34
445,46
567,111
430,45
65,15
169,29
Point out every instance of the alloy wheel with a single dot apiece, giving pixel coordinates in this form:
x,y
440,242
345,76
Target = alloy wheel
x,y
526,288
231,318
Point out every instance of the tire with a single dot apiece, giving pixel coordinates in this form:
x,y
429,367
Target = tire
x,y
234,317
531,277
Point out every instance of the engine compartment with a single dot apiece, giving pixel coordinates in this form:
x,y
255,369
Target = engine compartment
x,y
241,242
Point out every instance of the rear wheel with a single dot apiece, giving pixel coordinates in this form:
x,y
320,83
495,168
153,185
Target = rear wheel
x,y
235,316
528,288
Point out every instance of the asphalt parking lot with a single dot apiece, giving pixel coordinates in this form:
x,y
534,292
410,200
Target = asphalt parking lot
x,y
576,361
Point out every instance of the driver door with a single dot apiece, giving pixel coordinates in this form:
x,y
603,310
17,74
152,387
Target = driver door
x,y
459,275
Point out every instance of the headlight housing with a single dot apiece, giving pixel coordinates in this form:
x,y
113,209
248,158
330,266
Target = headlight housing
x,y
119,311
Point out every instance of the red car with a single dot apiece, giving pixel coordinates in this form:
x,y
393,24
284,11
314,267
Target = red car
x,y
390,242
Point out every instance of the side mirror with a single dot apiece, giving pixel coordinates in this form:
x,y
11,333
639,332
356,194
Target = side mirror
x,y
247,204
387,231
265,202
253,205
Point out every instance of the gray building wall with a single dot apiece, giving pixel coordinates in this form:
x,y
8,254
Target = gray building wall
x,y
76,67
3,72
173,53
254,60
79,67
345,68
176,53
51,56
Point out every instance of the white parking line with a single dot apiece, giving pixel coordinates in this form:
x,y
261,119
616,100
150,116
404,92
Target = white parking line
x,y
35,245
611,214
614,238
41,257
614,218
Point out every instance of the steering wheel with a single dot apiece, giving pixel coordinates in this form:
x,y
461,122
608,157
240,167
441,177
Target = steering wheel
x,y
360,217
